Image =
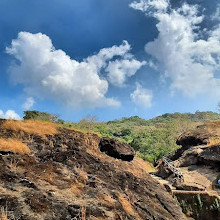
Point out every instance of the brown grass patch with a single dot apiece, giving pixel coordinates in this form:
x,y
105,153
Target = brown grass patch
x,y
214,123
96,218
213,128
138,167
83,213
126,205
14,146
13,164
81,173
142,164
213,141
77,189
106,199
3,214
40,128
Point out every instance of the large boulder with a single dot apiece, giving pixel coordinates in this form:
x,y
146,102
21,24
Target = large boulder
x,y
116,149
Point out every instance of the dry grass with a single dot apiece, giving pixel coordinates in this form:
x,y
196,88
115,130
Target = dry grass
x,y
97,218
126,205
138,167
3,214
83,213
106,199
212,127
31,127
81,173
214,123
142,164
13,164
14,146
214,141
77,189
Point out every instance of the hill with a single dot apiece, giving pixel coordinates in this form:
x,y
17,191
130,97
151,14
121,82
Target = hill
x,y
196,117
152,138
49,172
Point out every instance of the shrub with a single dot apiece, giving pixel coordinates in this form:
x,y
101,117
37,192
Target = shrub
x,y
43,116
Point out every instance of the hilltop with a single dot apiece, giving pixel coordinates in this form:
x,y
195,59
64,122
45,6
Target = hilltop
x,y
49,172
152,138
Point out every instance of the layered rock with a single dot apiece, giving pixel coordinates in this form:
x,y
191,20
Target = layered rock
x,y
67,177
198,160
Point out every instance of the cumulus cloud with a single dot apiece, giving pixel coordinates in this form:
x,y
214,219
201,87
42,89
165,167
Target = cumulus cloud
x,y
28,103
190,61
119,70
49,73
142,96
149,5
10,114
106,54
216,15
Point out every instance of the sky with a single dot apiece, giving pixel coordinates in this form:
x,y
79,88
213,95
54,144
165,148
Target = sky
x,y
110,59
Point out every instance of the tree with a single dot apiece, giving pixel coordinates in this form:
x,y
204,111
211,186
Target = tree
x,y
60,121
37,115
88,122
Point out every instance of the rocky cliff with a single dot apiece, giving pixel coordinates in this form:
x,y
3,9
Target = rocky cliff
x,y
198,162
49,173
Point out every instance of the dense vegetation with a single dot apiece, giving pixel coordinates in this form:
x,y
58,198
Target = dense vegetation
x,y
43,116
152,138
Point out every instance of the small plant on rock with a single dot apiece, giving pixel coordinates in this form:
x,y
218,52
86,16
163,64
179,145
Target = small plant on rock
x,y
215,205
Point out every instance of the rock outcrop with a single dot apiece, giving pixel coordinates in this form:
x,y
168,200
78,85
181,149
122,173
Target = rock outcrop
x,y
116,149
201,135
198,160
65,176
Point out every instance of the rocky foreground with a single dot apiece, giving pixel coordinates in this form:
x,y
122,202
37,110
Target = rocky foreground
x,y
53,173
198,162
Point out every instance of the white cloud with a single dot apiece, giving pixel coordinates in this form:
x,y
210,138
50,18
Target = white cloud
x,y
10,114
141,96
106,54
191,62
216,15
28,103
49,73
149,5
119,70
152,65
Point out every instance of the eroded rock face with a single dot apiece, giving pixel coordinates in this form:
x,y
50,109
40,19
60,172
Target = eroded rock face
x,y
116,149
210,156
190,140
67,177
201,135
198,159
203,206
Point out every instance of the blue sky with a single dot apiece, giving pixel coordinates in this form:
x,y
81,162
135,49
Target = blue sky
x,y
109,58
